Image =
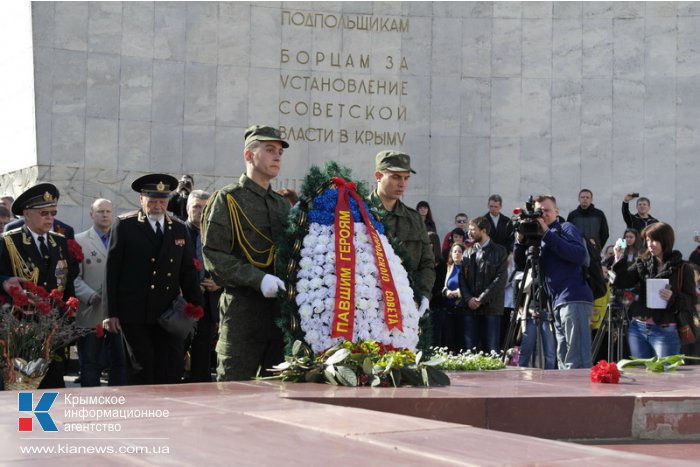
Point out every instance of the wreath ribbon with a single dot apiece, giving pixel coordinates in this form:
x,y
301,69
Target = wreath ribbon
x,y
344,306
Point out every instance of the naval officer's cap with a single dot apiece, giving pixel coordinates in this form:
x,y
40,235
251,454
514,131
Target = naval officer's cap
x,y
155,185
43,195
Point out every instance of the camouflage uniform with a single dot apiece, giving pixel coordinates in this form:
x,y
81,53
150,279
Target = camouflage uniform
x,y
248,335
407,227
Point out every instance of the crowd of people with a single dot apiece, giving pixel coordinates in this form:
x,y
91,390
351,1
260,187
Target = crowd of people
x,y
491,284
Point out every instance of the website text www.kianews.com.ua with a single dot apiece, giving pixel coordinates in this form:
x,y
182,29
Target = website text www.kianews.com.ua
x,y
67,448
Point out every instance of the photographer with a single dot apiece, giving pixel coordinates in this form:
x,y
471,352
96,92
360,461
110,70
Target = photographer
x,y
178,199
561,261
642,218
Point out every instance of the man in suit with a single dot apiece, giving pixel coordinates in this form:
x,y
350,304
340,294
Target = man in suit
x,y
34,253
96,352
502,231
149,261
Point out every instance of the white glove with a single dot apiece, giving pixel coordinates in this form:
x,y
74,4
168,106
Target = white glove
x,y
424,304
270,285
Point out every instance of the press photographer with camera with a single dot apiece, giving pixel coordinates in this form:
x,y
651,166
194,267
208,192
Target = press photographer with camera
x,y
178,199
562,256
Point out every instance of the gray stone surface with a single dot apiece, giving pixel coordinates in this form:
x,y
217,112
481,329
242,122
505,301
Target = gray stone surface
x,y
516,98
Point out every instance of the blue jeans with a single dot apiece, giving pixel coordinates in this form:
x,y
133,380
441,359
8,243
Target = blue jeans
x,y
96,354
486,328
572,323
649,340
529,343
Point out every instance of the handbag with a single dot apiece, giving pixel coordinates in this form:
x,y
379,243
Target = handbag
x,y
174,320
687,317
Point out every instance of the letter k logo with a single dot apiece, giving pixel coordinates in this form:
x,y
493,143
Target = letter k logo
x,y
25,403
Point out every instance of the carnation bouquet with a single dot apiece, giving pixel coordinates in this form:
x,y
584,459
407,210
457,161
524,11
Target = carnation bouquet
x,y
345,280
34,324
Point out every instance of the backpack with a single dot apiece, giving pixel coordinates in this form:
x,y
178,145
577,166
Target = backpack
x,y
593,271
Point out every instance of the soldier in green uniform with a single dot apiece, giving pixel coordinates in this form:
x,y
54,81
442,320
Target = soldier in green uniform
x,y
393,170
239,228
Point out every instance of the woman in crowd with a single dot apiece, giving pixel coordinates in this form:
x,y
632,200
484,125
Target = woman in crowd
x,y
423,209
652,331
452,299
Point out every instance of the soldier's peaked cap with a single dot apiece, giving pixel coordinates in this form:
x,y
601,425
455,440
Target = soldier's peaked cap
x,y
264,133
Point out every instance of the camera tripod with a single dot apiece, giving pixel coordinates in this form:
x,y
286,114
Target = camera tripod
x,y
614,326
531,297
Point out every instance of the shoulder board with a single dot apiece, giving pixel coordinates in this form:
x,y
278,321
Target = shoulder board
x,y
57,234
13,231
129,214
174,220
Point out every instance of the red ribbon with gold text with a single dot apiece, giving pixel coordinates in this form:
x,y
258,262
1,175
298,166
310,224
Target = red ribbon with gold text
x,y
344,310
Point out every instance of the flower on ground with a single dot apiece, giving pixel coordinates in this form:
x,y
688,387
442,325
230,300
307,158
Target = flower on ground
x,y
605,372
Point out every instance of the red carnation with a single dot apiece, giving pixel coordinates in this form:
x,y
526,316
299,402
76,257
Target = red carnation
x,y
73,303
194,312
20,299
56,294
15,291
197,264
29,286
41,291
75,250
99,331
605,372
43,308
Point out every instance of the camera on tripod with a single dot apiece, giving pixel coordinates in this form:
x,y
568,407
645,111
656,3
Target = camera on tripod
x,y
525,221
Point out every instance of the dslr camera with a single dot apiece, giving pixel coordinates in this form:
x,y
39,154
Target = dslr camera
x,y
525,221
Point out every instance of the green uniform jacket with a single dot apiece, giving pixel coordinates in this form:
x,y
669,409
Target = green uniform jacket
x,y
406,226
265,212
261,211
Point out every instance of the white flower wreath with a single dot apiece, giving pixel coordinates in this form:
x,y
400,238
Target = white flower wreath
x,y
315,291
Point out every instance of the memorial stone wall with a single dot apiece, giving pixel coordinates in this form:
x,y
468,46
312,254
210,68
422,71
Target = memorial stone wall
x,y
515,98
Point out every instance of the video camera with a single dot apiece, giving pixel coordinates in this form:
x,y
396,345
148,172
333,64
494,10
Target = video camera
x,y
525,221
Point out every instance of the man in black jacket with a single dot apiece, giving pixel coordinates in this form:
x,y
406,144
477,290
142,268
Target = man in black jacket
x,y
501,231
642,218
150,260
589,220
482,286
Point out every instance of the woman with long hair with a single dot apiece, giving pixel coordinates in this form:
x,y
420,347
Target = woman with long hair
x,y
652,331
452,299
423,209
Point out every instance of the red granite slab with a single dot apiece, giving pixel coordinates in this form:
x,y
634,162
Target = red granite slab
x,y
269,422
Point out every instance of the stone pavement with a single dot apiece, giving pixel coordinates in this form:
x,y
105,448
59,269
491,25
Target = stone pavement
x,y
514,417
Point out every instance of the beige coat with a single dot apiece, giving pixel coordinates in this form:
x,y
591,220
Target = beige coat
x,y
89,282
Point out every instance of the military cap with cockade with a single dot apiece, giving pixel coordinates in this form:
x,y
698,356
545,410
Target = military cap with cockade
x,y
263,133
43,195
393,161
155,185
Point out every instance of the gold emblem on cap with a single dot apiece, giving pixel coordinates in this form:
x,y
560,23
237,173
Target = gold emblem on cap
x,y
160,186
48,196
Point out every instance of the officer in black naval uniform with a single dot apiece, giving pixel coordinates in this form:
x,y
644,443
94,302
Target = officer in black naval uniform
x,y
149,261
33,253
